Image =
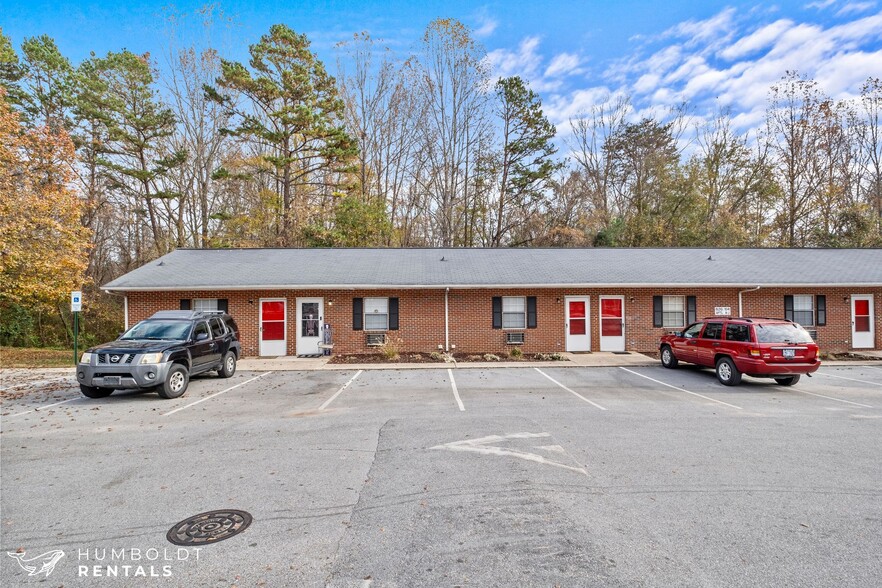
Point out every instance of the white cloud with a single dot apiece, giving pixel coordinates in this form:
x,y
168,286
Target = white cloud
x,y
564,64
760,39
855,8
486,26
524,62
822,4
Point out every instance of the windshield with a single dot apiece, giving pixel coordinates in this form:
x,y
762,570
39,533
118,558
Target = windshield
x,y
158,329
782,333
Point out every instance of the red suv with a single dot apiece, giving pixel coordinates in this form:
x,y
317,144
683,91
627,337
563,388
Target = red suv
x,y
759,347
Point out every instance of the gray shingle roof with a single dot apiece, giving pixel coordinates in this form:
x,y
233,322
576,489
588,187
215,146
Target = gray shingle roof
x,y
192,269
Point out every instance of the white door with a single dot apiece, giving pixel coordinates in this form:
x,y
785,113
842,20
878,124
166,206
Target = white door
x,y
612,323
273,327
577,327
310,313
862,331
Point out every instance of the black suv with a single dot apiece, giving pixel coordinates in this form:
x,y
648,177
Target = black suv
x,y
162,352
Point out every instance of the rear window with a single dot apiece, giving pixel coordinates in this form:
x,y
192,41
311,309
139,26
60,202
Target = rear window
x,y
737,332
782,333
231,324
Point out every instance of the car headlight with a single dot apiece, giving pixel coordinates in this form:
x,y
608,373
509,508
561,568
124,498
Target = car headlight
x,y
151,358
86,358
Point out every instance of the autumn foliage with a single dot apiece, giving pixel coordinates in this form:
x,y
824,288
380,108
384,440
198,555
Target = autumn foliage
x,y
43,245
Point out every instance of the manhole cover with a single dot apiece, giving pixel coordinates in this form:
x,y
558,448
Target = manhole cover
x,y
209,527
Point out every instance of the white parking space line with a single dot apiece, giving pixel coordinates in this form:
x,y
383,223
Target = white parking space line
x,y
831,398
39,408
849,379
594,404
455,391
210,396
340,391
682,389
35,383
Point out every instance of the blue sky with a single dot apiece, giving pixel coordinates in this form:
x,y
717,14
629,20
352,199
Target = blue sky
x,y
710,54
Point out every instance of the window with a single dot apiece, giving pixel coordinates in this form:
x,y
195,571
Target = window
x,y
713,331
803,310
376,314
217,327
736,332
673,311
201,328
203,304
693,331
514,312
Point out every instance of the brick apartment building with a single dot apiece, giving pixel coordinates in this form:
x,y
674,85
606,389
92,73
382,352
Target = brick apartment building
x,y
491,300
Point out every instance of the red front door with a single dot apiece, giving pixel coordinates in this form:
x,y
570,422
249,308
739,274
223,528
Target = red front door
x,y
272,327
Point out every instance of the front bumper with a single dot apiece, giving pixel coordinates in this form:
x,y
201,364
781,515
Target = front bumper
x,y
122,376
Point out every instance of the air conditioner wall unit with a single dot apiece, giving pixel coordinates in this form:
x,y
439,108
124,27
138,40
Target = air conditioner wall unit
x,y
514,338
375,339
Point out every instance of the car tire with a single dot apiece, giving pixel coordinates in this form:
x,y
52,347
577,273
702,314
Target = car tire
x,y
175,382
788,381
668,359
727,373
228,367
95,392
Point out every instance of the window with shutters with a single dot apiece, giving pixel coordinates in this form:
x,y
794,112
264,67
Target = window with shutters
x,y
803,309
673,311
514,312
376,314
203,304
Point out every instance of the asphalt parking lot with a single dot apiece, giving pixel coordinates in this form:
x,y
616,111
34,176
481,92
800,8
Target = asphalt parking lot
x,y
635,476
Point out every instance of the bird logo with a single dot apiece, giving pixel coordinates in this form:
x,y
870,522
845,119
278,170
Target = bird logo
x,y
39,564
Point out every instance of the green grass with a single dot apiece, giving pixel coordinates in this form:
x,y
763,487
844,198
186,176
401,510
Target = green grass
x,y
31,357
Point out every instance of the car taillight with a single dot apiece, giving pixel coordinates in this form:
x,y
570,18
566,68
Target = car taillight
x,y
754,352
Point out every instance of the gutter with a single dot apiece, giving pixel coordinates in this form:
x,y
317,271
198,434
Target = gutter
x,y
446,321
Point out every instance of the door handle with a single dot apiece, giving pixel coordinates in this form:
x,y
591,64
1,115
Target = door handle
x,y
716,344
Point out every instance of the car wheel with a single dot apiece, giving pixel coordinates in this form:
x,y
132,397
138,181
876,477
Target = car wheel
x,y
175,382
95,392
667,357
788,381
727,373
228,368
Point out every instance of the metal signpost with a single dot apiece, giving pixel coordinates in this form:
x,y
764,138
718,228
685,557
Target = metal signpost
x,y
76,305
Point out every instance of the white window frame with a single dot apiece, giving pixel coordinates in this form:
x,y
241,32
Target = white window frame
x,y
801,308
367,313
509,312
204,304
681,311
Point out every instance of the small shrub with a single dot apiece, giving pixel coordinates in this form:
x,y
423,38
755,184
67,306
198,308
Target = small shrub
x,y
390,349
516,353
491,357
437,356
557,357
543,357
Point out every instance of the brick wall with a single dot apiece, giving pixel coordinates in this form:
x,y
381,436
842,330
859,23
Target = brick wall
x,y
421,325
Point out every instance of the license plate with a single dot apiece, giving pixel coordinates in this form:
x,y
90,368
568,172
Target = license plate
x,y
111,380
789,353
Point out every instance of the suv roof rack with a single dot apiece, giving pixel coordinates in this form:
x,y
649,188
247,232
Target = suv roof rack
x,y
747,319
185,314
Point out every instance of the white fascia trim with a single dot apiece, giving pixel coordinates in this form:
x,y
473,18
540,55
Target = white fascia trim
x,y
206,287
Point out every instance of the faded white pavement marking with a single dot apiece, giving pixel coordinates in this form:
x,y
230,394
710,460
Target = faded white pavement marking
x,y
849,379
455,391
210,396
37,383
831,398
340,391
682,389
39,408
594,404
485,446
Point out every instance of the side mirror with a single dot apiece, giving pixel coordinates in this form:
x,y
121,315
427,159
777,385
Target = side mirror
x,y
201,337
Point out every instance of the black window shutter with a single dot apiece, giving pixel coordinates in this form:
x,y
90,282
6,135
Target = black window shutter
x,y
393,314
223,304
788,307
185,304
531,312
657,311
497,312
821,310
357,314
691,314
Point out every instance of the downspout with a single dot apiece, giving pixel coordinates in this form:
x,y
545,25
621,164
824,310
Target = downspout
x,y
740,306
126,311
446,322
